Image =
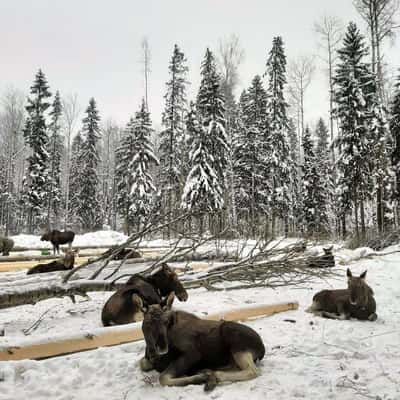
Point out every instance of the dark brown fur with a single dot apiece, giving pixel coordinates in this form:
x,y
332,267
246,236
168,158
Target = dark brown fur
x,y
128,253
6,245
56,238
122,307
181,345
327,260
66,263
357,301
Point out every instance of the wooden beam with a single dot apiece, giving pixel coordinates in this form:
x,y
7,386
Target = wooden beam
x,y
115,335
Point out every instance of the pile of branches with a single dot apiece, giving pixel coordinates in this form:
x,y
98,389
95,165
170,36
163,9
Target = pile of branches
x,y
269,267
266,264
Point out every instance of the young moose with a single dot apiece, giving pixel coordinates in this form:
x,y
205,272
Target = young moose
x,y
355,302
125,305
327,260
189,350
56,238
65,263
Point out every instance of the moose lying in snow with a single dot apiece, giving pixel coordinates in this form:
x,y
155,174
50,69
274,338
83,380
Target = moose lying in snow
x,y
121,254
355,302
327,260
184,348
6,245
65,263
125,305
56,238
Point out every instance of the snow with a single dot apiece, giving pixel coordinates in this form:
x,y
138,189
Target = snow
x,y
100,238
313,358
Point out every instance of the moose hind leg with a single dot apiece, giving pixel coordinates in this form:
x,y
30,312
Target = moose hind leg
x,y
247,369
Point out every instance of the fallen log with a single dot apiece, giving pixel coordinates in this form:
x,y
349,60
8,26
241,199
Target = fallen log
x,y
14,298
111,336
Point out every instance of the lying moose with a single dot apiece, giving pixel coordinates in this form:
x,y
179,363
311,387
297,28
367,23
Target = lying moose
x,y
65,263
327,260
56,238
125,305
121,254
181,345
357,301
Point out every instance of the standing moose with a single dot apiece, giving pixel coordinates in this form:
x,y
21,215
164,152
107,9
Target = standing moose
x,y
56,238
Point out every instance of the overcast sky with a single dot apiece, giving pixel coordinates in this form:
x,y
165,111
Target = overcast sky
x,y
92,47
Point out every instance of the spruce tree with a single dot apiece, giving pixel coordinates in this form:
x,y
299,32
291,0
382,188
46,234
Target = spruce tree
x,y
75,181
395,134
172,136
314,194
297,201
383,174
56,149
142,190
36,180
249,157
352,83
278,157
211,114
203,189
123,154
89,208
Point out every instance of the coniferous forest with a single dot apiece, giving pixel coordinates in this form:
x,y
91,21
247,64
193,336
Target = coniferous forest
x,y
242,158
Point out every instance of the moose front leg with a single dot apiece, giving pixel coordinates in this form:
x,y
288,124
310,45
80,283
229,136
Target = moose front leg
x,y
174,374
145,364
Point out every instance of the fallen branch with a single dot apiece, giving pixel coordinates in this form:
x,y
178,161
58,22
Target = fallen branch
x,y
32,296
132,242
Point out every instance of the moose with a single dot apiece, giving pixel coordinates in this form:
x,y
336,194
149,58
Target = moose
x,y
56,238
357,301
6,245
327,260
189,350
65,263
121,254
125,305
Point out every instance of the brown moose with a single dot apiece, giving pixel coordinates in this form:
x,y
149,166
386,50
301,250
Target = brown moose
x,y
125,305
327,260
189,350
56,238
6,245
65,263
357,301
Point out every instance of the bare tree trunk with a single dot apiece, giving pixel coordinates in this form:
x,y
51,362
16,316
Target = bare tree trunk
x,y
71,113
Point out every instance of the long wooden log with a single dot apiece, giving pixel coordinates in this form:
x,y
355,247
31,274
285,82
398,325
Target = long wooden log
x,y
111,336
105,247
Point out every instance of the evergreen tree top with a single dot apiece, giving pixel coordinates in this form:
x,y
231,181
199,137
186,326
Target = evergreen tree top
x,y
91,121
210,100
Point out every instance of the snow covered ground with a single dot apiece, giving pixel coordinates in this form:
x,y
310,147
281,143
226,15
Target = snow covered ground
x,y
100,238
313,358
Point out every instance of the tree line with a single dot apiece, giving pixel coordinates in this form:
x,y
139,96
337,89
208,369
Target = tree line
x,y
250,164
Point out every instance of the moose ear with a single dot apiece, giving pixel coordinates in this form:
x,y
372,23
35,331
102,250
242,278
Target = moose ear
x,y
349,274
363,275
169,301
137,301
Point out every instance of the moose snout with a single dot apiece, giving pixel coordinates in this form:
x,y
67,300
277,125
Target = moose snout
x,y
162,350
183,296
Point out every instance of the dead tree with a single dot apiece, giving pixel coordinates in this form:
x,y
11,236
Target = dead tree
x,y
330,31
300,74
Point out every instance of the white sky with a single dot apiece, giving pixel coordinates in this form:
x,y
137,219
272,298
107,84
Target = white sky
x,y
92,47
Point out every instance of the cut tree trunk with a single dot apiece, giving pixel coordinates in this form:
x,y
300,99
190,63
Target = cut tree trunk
x,y
116,335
